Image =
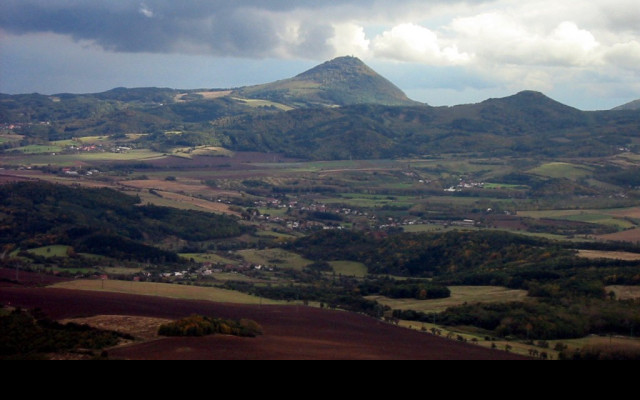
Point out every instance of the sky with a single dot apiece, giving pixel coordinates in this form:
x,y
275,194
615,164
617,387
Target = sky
x,y
584,53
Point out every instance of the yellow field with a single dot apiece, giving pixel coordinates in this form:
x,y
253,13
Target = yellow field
x,y
166,290
459,296
264,103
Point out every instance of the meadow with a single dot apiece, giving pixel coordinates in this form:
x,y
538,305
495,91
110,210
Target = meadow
x,y
181,292
51,251
275,257
349,268
610,255
562,170
459,296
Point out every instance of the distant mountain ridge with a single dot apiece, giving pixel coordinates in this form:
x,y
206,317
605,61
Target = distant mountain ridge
x,y
338,110
526,124
340,82
633,106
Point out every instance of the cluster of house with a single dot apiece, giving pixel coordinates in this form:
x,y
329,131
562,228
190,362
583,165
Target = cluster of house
x,y
87,148
75,172
208,269
465,185
97,148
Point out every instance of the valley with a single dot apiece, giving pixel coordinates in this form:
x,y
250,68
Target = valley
x,y
511,226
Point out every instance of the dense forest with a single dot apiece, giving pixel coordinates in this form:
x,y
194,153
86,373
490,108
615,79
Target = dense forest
x,y
429,255
101,221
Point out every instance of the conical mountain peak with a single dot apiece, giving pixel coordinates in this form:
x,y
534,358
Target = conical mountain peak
x,y
339,82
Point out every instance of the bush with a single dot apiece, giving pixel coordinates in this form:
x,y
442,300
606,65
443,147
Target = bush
x,y
198,326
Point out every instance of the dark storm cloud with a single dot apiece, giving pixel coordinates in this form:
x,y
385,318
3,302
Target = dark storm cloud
x,y
220,27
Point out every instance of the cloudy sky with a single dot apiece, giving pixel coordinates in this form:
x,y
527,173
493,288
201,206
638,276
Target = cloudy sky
x,y
585,53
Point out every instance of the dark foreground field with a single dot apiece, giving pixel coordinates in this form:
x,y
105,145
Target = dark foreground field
x,y
9,278
290,332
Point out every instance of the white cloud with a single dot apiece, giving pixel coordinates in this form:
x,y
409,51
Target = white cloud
x,y
625,55
414,43
350,39
146,11
502,38
505,44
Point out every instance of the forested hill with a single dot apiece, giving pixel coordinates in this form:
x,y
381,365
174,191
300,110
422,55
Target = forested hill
x,y
100,221
528,123
339,110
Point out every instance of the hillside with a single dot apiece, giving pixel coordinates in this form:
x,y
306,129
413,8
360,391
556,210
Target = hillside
x,y
100,221
528,123
633,106
340,82
338,110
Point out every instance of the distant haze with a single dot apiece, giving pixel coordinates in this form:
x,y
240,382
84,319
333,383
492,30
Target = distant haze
x,y
583,53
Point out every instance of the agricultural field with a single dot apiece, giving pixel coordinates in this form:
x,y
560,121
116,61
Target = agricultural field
x,y
478,338
625,292
122,271
632,236
349,268
208,258
459,296
51,251
275,257
39,149
562,170
264,103
182,292
611,255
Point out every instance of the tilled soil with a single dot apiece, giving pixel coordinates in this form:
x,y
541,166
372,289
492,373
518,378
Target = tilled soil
x,y
290,332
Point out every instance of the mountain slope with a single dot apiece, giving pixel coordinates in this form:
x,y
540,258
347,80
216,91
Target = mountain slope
x,y
633,106
340,82
528,123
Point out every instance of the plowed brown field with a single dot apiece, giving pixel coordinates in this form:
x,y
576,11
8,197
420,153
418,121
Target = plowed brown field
x,y
290,332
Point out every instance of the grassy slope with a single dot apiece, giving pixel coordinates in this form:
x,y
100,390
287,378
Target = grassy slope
x,y
166,290
459,296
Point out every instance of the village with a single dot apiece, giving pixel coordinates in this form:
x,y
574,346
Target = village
x,y
318,216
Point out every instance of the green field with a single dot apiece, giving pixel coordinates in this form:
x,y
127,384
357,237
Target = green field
x,y
275,257
504,186
561,170
206,257
459,296
182,292
39,149
600,217
349,268
41,157
372,201
122,271
50,251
